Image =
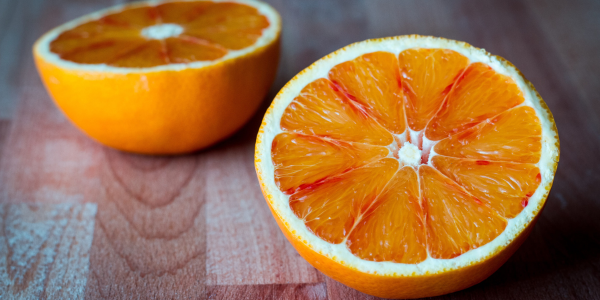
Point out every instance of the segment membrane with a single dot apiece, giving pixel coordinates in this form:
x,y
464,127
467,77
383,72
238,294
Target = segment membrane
x,y
330,209
83,40
187,50
456,222
137,18
183,12
232,26
323,111
394,228
301,160
147,54
373,81
479,94
427,77
233,16
505,187
515,135
97,50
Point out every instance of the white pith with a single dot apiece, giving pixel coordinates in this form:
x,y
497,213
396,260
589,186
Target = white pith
x,y
280,202
42,46
409,155
162,31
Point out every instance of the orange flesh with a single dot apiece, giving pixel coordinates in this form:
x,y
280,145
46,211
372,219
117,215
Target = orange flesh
x,y
515,135
373,81
500,185
427,77
317,158
331,208
456,221
394,222
322,110
479,94
210,31
338,155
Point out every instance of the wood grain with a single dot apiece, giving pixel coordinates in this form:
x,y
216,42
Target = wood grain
x,y
196,226
149,238
44,252
316,291
15,20
336,290
4,128
244,240
572,28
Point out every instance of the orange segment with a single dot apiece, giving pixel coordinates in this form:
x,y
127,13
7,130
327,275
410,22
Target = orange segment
x,y
300,160
505,187
101,40
233,40
427,77
139,17
87,31
187,50
148,54
515,135
479,94
207,30
96,50
182,12
330,209
92,33
394,228
456,221
230,25
230,15
323,111
374,82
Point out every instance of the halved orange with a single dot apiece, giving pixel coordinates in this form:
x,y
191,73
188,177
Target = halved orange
x,y
408,166
162,77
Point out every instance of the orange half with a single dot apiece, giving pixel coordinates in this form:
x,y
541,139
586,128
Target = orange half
x,y
415,167
162,77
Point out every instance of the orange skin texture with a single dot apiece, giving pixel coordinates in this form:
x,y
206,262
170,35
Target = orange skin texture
x,y
400,286
163,112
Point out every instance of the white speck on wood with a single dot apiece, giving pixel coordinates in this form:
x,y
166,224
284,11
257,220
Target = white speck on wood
x,y
44,252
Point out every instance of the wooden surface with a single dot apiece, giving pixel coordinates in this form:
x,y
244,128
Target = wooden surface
x,y
80,220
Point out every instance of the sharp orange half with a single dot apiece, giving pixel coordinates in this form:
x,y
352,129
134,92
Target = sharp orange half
x,y
409,166
162,77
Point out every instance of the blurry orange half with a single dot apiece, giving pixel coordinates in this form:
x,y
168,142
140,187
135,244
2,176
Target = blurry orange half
x,y
407,167
162,77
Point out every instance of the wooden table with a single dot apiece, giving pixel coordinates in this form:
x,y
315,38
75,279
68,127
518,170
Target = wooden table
x,y
81,220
